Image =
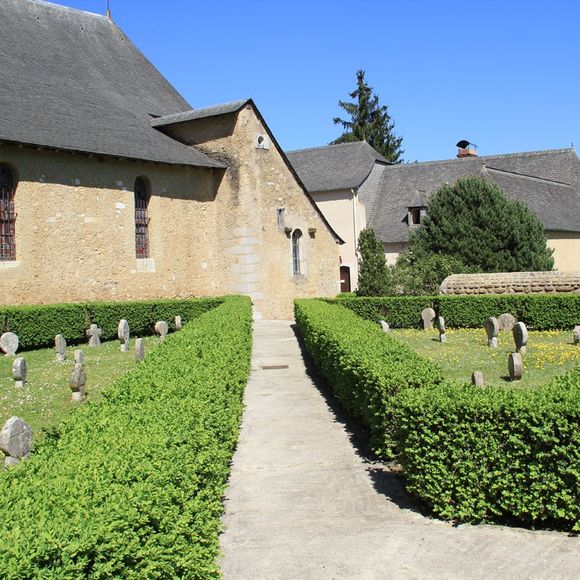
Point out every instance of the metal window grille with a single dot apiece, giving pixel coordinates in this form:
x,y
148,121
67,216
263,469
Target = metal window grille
x,y
141,219
7,216
296,235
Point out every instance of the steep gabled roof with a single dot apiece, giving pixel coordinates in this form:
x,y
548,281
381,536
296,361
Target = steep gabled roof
x,y
72,80
335,167
548,182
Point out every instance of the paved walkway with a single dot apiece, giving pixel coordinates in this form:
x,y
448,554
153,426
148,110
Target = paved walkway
x,y
303,504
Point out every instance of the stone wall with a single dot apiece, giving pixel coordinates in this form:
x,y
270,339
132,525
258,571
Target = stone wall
x,y
512,283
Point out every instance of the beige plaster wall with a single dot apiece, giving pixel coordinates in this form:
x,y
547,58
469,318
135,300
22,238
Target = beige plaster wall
x,y
346,214
566,246
392,251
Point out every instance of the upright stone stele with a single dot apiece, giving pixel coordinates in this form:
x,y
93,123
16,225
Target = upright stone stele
x,y
477,379
520,333
492,330
15,440
139,350
441,327
385,326
9,343
516,368
79,357
162,328
94,334
428,316
77,382
506,322
19,372
60,348
123,332
178,325
576,335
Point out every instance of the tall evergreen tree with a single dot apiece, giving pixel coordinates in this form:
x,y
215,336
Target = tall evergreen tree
x,y
374,276
369,121
473,221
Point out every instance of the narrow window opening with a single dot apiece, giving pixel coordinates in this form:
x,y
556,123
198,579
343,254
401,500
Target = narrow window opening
x,y
7,216
416,215
142,196
280,218
296,236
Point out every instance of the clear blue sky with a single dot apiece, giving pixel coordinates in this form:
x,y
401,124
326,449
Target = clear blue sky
x,y
502,74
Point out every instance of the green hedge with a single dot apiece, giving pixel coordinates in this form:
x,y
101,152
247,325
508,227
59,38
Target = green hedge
x,y
539,312
495,454
132,487
36,326
365,367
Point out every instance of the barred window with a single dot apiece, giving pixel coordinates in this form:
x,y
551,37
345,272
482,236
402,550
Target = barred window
x,y
7,215
296,235
142,196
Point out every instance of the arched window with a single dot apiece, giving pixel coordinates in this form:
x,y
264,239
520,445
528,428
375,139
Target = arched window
x,y
296,236
7,215
141,218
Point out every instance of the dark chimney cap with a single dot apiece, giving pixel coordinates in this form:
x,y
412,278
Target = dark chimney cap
x,y
463,144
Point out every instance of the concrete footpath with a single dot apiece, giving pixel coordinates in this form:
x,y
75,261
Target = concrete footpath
x,y
302,502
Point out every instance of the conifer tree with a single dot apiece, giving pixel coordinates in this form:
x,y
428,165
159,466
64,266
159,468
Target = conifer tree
x,y
473,221
369,121
374,276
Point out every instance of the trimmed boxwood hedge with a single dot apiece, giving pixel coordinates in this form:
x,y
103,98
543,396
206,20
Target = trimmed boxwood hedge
x,y
132,487
365,367
471,454
36,326
538,311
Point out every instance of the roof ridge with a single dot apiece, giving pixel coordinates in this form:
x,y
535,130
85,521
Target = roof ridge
x,y
328,146
69,8
517,175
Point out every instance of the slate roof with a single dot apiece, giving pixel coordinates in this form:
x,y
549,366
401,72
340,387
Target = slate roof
x,y
334,167
72,80
547,181
194,114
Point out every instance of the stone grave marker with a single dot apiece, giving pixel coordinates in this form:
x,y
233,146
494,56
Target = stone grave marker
x,y
506,322
19,372
123,333
9,343
516,368
94,334
60,348
492,329
428,316
477,378
178,325
576,335
79,357
162,328
385,326
76,382
520,333
139,349
15,440
441,327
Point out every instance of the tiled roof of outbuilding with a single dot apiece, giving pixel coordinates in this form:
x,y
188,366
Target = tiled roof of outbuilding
x,y
548,182
72,80
334,167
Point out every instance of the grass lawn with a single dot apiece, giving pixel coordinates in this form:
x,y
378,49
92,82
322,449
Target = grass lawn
x,y
550,353
45,400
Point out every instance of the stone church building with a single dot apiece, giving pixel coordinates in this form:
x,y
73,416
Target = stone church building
x,y
113,188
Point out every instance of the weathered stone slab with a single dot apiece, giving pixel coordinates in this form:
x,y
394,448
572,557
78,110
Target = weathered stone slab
x,y
576,335
477,378
515,366
520,333
139,349
506,322
385,326
77,382
428,317
79,356
19,372
178,324
123,332
9,343
492,330
94,334
15,440
60,348
441,327
162,328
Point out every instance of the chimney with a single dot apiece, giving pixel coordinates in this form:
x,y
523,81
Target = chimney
x,y
466,149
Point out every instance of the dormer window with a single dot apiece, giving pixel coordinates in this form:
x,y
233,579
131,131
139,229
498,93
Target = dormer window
x,y
416,215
